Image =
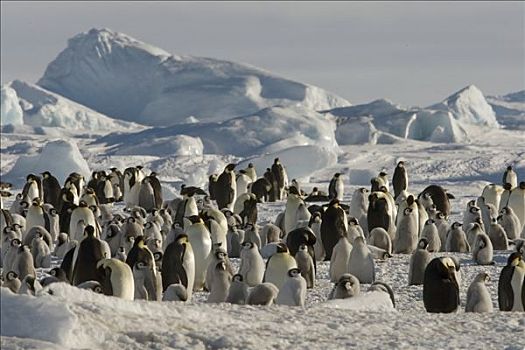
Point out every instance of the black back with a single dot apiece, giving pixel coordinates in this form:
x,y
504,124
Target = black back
x,y
440,288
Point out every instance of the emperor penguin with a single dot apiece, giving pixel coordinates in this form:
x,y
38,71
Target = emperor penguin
x,y
442,226
270,233
510,223
334,224
30,286
11,253
359,207
498,236
278,266
226,188
52,221
380,238
175,292
262,294
400,179
218,254
384,177
41,252
407,229
85,258
336,187
361,262
242,181
24,264
504,201
492,194
251,172
279,173
354,229
140,257
511,284
32,189
471,214
315,225
478,297
117,278
339,259
430,233
293,291
440,197
379,213
510,177
252,264
456,239
82,212
306,265
221,284
251,234
517,202
146,195
200,240
482,251
238,291
293,202
347,286
35,215
473,230
440,286
262,189
178,266
51,188
12,282
418,263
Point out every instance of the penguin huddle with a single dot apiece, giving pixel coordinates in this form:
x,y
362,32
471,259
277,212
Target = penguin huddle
x,y
169,250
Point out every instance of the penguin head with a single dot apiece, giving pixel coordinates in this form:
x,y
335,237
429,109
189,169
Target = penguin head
x,y
353,221
247,245
336,175
46,174
407,211
82,204
474,210
195,219
482,277
400,164
293,190
23,248
276,161
221,255
509,168
514,259
11,275
89,231
282,248
295,272
350,284
429,222
507,186
364,190
456,225
423,243
230,167
383,287
383,189
303,248
237,278
182,238
383,174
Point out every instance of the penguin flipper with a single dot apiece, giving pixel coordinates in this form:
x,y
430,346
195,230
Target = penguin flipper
x,y
505,292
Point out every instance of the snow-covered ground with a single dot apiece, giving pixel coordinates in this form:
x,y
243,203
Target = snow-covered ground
x,y
251,116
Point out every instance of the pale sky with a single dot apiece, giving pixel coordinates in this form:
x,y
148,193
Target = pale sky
x,y
411,53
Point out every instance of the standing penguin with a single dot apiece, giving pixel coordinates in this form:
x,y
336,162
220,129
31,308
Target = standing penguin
x,y
146,195
440,197
400,179
238,291
293,291
379,213
226,187
471,214
82,212
440,286
418,263
478,297
32,189
359,207
51,188
497,236
278,266
334,225
117,278
200,240
511,285
510,223
510,177
456,239
492,194
306,265
442,226
24,264
482,251
339,259
252,264
221,284
336,187
293,202
178,264
86,256
473,230
280,176
430,233
517,203
141,258
407,228
361,262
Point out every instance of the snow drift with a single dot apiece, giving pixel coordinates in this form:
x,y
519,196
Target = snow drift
x,y
124,78
270,130
10,112
59,157
509,109
42,108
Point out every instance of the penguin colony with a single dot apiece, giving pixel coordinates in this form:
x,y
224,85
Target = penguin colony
x,y
167,250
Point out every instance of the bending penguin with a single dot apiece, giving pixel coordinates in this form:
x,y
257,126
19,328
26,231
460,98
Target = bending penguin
x,y
440,286
117,278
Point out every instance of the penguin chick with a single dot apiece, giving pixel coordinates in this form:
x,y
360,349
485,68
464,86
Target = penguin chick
x,y
478,297
293,291
347,286
175,292
262,294
238,291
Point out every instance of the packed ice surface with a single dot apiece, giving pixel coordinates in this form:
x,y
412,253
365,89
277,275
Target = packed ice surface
x,y
469,106
60,157
267,131
124,78
510,109
10,111
42,108
178,145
